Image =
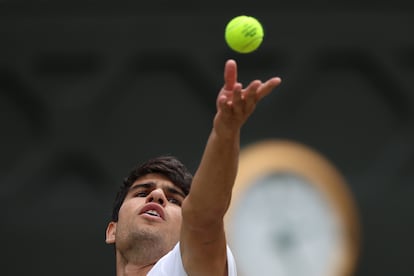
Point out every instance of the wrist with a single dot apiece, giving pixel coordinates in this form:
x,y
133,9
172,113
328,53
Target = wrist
x,y
226,133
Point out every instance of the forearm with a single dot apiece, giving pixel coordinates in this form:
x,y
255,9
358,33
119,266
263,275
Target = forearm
x,y
213,181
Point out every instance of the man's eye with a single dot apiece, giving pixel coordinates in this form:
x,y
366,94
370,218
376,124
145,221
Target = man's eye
x,y
174,201
141,194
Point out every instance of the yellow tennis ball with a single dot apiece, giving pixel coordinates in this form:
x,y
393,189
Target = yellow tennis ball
x,y
244,34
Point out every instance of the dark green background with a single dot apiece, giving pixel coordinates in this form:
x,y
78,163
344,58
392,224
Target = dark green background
x,y
89,88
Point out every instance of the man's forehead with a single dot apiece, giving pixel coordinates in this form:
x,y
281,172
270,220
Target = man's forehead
x,y
157,179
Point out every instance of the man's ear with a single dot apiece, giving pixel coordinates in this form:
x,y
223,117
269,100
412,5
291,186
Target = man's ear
x,y
110,232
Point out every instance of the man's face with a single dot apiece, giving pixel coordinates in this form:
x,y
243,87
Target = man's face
x,y
150,216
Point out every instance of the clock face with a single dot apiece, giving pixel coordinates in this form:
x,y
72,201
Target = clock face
x,y
283,226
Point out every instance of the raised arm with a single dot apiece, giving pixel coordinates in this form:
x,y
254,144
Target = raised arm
x,y
203,241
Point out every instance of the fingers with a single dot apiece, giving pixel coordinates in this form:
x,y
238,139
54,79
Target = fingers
x,y
241,102
230,80
244,100
235,103
232,95
249,94
267,87
251,90
230,74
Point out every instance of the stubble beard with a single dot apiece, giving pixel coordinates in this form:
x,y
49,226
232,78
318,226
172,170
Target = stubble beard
x,y
144,246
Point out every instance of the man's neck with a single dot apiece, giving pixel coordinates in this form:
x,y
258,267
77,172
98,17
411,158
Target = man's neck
x,y
131,266
133,270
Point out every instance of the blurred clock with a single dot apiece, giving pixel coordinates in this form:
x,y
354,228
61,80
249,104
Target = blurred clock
x,y
291,214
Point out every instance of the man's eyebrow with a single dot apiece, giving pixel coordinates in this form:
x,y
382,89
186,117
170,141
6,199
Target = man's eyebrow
x,y
146,185
149,185
175,191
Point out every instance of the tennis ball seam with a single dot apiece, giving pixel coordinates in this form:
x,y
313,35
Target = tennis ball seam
x,y
250,42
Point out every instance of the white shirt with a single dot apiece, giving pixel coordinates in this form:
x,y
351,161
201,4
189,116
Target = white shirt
x,y
171,264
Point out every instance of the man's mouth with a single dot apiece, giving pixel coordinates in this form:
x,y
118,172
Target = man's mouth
x,y
152,213
153,210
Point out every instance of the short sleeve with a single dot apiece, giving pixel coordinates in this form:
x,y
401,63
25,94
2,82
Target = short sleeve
x,y
171,264
231,263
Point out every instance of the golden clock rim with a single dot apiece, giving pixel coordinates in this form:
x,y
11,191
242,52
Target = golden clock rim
x,y
287,156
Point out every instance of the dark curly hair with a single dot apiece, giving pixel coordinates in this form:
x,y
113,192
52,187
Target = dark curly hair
x,y
168,166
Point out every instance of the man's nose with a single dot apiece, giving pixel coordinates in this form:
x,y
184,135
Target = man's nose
x,y
157,196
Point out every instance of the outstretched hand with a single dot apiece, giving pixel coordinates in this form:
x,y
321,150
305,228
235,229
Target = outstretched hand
x,y
203,241
234,103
